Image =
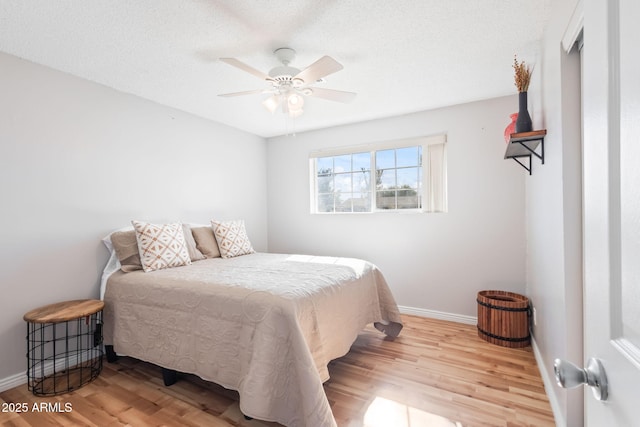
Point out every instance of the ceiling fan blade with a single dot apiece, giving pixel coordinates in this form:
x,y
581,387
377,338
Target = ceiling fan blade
x,y
249,69
319,69
272,103
246,92
330,94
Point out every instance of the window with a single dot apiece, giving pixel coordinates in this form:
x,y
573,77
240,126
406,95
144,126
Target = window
x,y
399,178
344,183
408,175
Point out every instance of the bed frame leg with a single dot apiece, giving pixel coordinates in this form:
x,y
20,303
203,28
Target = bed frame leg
x,y
111,354
169,376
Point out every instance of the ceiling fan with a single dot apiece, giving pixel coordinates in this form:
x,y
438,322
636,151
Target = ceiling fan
x,y
289,85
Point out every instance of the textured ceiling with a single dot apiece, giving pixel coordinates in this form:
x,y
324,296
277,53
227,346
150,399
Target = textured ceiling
x,y
400,56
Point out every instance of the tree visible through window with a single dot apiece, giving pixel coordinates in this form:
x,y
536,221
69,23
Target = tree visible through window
x,y
343,183
400,178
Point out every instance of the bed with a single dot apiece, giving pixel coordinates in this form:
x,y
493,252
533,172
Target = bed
x,y
266,325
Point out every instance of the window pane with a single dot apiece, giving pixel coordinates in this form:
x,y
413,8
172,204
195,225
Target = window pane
x,y
338,177
409,156
362,202
343,202
325,184
325,172
386,199
409,177
324,164
387,179
362,181
385,159
407,199
343,183
342,163
325,202
378,178
362,162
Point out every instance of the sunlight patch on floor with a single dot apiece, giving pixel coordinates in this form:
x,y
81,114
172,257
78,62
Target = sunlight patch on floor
x,y
385,413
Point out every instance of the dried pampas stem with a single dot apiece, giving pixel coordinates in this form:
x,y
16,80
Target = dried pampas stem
x,y
522,75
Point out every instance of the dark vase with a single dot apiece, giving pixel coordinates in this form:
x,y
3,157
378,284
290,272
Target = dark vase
x,y
523,123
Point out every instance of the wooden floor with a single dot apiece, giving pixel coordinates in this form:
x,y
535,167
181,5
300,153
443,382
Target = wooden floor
x,y
436,373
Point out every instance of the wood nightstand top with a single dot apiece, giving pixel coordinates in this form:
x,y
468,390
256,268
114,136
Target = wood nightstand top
x,y
64,311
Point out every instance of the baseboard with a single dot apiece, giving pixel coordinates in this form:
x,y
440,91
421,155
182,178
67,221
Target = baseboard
x,y
13,381
21,378
549,385
434,314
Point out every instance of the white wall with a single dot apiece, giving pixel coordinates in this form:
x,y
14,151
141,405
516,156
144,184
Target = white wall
x,y
78,160
431,261
554,215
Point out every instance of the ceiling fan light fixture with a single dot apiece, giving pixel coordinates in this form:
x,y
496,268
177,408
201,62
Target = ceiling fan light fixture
x,y
272,103
289,85
293,105
295,101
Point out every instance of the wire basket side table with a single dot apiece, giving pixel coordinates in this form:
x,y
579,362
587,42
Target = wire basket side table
x,y
64,346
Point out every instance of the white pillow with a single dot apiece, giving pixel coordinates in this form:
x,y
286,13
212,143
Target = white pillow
x,y
232,238
161,245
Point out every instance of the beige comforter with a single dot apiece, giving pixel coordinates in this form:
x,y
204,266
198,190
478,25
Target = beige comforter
x,y
266,325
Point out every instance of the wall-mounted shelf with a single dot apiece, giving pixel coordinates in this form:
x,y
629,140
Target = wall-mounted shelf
x,y
525,144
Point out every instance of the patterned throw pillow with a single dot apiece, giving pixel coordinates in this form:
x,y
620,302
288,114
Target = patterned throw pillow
x,y
161,245
232,238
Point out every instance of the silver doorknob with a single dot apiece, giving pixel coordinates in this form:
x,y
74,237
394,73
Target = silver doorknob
x,y
569,375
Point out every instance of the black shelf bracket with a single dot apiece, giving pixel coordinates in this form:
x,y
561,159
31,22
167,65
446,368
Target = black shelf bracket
x,y
525,145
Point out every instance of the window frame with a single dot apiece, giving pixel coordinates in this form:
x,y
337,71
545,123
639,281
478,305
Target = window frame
x,y
372,149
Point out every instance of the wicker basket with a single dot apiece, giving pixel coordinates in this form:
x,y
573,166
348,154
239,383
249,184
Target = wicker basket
x,y
503,318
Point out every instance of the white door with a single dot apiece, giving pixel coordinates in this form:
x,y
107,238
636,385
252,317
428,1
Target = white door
x,y
612,206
